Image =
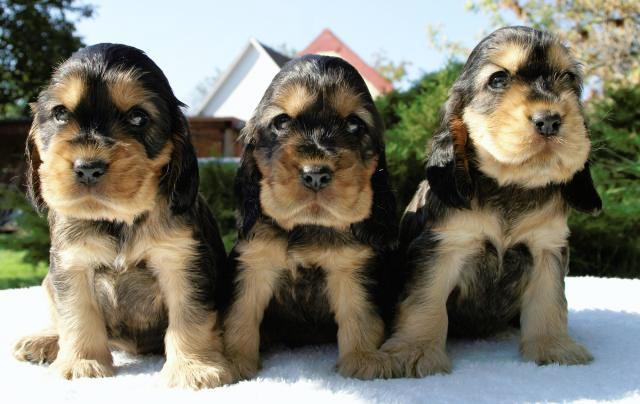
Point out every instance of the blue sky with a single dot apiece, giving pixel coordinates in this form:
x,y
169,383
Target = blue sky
x,y
190,39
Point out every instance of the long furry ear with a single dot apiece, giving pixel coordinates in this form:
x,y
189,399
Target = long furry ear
x,y
447,168
247,192
380,229
181,174
247,182
581,194
34,194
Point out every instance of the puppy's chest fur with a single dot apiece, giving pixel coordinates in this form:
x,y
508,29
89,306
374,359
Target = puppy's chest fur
x,y
299,311
506,230
124,260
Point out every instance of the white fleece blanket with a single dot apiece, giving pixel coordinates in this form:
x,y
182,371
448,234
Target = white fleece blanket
x,y
605,316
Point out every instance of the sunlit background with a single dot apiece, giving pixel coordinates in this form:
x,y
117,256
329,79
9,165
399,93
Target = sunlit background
x,y
219,57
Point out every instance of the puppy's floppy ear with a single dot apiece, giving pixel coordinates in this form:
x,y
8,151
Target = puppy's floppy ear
x,y
247,184
581,194
32,155
181,174
380,229
448,166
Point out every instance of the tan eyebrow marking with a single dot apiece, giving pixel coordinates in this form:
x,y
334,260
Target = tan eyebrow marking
x,y
346,102
70,90
559,58
294,99
511,57
126,91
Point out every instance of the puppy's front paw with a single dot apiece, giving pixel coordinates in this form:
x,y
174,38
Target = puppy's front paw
x,y
417,361
428,361
366,365
37,348
76,368
194,374
562,350
244,368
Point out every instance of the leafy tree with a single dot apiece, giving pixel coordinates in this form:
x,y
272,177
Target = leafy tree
x,y
609,245
395,72
605,35
411,118
34,37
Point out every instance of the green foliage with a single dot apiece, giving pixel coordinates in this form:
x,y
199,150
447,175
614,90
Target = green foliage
x,y
33,232
34,35
609,245
411,118
16,271
216,186
24,254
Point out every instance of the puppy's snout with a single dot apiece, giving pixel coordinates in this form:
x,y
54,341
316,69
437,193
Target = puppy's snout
x,y
316,177
547,123
89,172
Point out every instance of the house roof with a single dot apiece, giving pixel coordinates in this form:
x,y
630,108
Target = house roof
x,y
278,59
327,41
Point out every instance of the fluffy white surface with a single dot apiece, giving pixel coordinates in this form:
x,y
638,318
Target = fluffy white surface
x,y
605,316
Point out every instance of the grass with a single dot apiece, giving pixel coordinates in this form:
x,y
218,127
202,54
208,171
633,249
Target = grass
x,y
16,273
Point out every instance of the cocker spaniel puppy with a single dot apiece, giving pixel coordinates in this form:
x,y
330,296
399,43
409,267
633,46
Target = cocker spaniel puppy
x,y
316,219
135,253
486,233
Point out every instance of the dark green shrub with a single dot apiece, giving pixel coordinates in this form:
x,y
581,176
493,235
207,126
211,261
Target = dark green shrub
x,y
609,245
411,117
33,230
216,186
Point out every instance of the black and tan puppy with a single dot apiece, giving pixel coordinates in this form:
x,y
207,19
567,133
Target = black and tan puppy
x,y
486,233
316,218
134,252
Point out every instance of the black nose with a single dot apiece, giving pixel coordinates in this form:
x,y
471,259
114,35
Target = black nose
x,y
315,177
89,172
547,123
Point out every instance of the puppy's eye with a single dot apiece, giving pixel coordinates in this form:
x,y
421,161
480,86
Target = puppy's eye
x,y
355,125
281,122
60,114
569,76
499,80
137,117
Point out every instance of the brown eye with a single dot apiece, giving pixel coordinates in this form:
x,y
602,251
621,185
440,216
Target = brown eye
x,y
355,125
60,114
281,122
137,117
499,80
569,76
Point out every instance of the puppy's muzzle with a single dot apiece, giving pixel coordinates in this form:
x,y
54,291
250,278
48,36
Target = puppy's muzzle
x,y
89,172
547,123
316,177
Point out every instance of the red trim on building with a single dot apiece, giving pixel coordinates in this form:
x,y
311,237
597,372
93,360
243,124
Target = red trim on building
x,y
327,41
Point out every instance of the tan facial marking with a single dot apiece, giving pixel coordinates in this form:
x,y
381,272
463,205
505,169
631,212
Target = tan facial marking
x,y
128,188
294,99
345,201
126,91
511,151
560,58
70,91
510,56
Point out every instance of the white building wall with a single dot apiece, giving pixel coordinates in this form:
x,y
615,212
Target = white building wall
x,y
241,92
